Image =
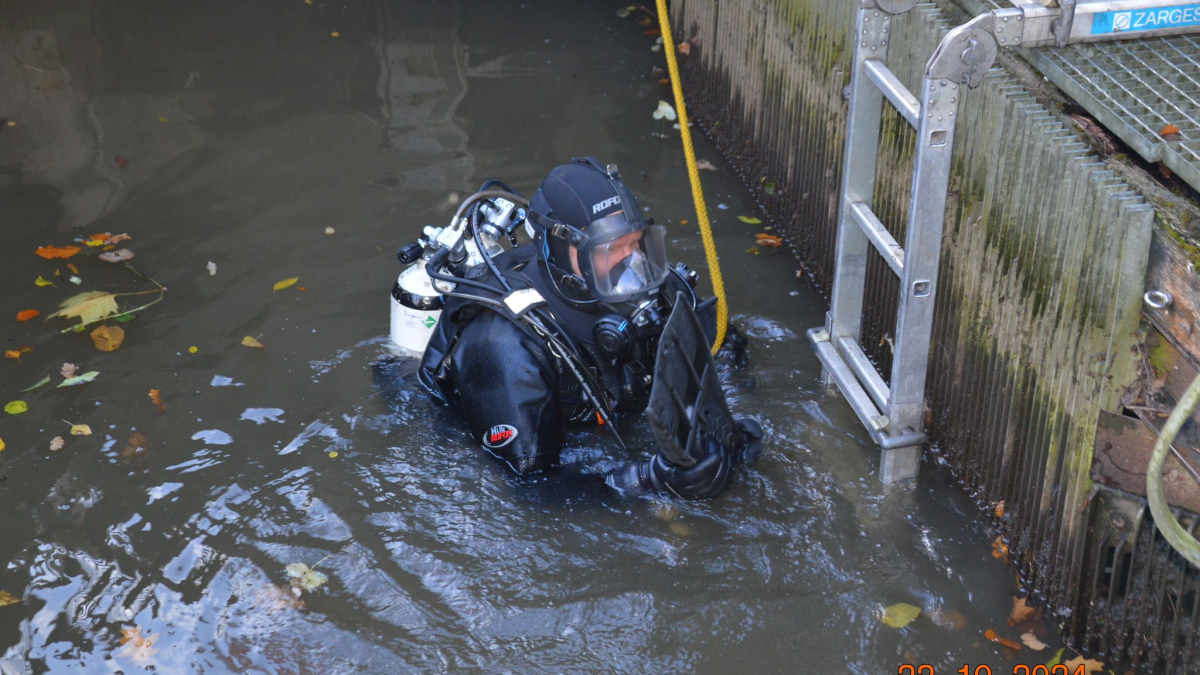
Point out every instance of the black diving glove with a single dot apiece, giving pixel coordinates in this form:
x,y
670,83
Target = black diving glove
x,y
705,480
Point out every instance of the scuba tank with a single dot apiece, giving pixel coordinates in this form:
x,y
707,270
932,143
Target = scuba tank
x,y
474,232
416,304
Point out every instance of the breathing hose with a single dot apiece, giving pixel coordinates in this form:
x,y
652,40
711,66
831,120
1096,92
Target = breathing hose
x,y
1176,535
710,248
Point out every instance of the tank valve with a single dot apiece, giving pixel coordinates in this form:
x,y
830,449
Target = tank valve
x,y
409,253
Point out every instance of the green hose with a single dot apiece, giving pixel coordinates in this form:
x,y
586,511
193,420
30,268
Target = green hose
x,y
1179,538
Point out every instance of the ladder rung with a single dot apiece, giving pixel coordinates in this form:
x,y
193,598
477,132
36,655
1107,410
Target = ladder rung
x,y
862,367
895,92
847,383
879,236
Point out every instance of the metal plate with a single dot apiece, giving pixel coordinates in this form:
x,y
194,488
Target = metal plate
x,y
1135,88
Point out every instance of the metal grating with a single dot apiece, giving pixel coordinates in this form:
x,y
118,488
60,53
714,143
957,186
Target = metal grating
x,y
1135,88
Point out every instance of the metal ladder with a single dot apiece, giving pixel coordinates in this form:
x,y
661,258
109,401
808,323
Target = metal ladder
x,y
894,415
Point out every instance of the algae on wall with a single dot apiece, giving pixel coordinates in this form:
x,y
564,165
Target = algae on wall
x,y
1043,257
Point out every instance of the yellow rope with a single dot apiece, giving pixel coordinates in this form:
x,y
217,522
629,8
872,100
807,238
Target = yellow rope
x,y
710,248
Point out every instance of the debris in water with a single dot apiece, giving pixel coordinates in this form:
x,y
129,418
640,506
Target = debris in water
x,y
900,614
664,111
280,285
57,443
27,314
156,399
108,338
212,268
991,635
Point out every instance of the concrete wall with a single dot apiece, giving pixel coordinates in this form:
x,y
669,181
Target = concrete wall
x,y
1042,266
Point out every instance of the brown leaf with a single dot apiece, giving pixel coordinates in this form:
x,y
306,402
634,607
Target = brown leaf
x,y
685,49
1021,612
768,241
69,370
991,635
1089,665
136,445
1000,509
108,338
278,598
999,550
1033,642
57,443
156,398
948,619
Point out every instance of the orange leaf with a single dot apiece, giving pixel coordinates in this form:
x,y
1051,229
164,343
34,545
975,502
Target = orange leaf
x,y
768,241
1000,509
156,398
98,239
52,252
683,222
1169,129
73,268
664,81
108,338
685,49
653,31
999,550
27,314
12,354
26,348
991,635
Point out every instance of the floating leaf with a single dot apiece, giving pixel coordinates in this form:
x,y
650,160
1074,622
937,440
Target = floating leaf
x,y
69,369
97,240
683,222
333,454
752,251
665,111
81,430
52,252
685,48
948,619
1020,612
768,241
79,379
991,635
999,550
769,188
45,380
251,342
329,230
900,614
279,286
278,598
2,446
57,443
135,646
5,598
1032,642
193,349
750,220
156,398
70,266
42,282
108,338
123,318
626,11
705,165
118,238
999,510
1056,660
12,354
75,280
16,407
212,268
89,306
301,576
27,314
136,445
117,255
1089,665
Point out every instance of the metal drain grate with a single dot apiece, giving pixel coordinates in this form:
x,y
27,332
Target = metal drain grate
x,y
1135,88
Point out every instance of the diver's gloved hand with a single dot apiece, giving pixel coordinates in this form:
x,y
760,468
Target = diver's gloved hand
x,y
705,480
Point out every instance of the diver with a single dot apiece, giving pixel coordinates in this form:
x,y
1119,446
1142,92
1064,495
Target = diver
x,y
565,330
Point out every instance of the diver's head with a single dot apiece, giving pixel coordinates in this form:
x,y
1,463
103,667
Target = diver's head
x,y
590,226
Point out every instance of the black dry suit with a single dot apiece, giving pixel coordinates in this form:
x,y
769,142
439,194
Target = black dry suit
x,y
517,392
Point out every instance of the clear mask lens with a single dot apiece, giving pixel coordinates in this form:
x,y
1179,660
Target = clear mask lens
x,y
631,265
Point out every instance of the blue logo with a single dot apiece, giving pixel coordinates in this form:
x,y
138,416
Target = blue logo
x,y
1137,20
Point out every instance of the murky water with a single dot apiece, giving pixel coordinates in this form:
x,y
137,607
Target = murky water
x,y
236,133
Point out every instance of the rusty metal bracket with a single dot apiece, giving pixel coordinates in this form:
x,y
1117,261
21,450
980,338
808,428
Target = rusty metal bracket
x,y
966,53
890,6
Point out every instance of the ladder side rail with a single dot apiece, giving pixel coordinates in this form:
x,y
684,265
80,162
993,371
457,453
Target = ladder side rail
x,y
872,34
918,285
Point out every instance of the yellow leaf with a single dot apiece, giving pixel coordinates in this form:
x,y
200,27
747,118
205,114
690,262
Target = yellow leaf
x,y
81,430
193,349
16,407
251,342
285,283
12,354
749,220
108,338
333,454
900,614
1,450
42,282
89,306
5,598
335,34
